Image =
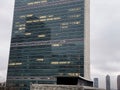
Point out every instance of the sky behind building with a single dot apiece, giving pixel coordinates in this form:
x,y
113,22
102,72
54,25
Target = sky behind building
x,y
105,42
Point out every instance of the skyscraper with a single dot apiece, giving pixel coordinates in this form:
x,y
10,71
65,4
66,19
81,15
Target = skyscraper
x,y
96,83
108,82
118,82
50,38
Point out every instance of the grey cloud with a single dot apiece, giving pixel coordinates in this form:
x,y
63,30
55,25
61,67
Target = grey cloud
x,y
3,75
6,12
105,42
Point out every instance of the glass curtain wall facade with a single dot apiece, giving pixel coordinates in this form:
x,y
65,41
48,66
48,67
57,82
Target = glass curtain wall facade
x,y
47,41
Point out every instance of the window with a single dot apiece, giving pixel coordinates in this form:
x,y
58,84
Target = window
x,y
37,2
74,9
56,45
29,21
22,28
42,16
27,33
63,27
74,16
73,74
41,36
13,64
64,62
39,59
29,15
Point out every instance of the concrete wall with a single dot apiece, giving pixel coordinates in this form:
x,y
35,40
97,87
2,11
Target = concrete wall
x,y
9,88
87,40
60,87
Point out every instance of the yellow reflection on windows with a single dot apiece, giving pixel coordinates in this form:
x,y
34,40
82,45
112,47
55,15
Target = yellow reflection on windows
x,y
50,15
14,64
43,20
74,16
48,19
43,16
63,62
40,59
22,28
56,45
29,15
73,74
56,18
22,25
42,35
18,63
64,27
31,3
23,16
36,20
66,23
76,22
17,25
54,62
29,21
43,1
11,64
17,22
37,2
27,34
74,9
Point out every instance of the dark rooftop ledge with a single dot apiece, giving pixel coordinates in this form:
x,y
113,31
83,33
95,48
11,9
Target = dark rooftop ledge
x,y
65,80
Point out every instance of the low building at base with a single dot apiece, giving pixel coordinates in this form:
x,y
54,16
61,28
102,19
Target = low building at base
x,y
9,88
60,87
66,83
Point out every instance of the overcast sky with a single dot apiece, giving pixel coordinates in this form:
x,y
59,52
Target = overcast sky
x,y
105,38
